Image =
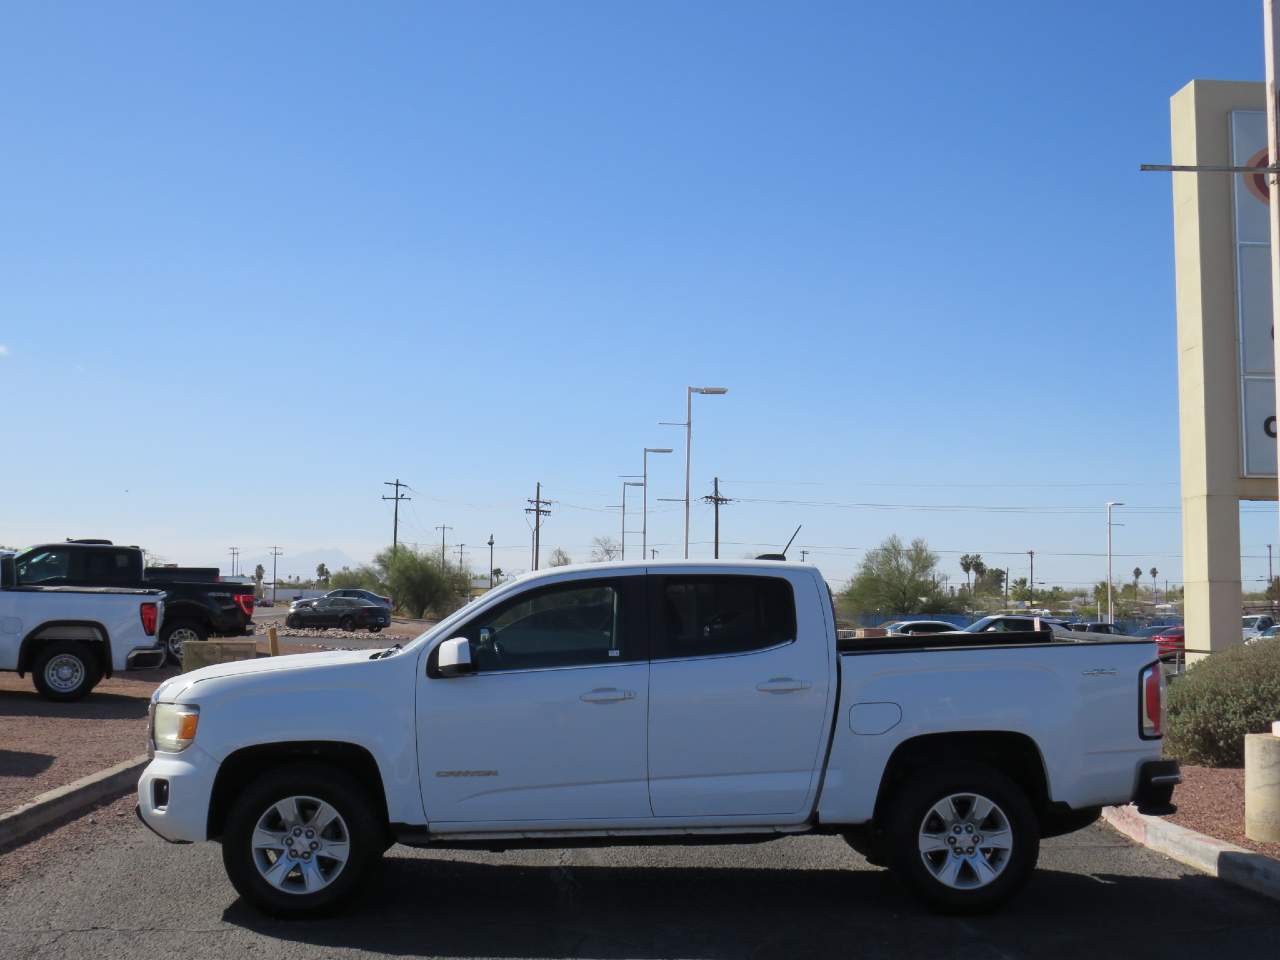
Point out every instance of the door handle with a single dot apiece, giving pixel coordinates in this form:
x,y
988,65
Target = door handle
x,y
783,685
607,695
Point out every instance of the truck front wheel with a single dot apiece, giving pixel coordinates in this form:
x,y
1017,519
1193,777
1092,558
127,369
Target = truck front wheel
x,y
65,670
299,838
964,839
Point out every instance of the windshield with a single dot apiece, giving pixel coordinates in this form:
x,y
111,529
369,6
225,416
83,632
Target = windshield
x,y
1251,621
986,623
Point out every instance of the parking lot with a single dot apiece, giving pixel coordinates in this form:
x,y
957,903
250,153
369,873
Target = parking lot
x,y
108,888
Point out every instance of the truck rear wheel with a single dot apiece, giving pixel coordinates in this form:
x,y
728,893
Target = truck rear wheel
x,y
299,839
65,670
174,635
963,839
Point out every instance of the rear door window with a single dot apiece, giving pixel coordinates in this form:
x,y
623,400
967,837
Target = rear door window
x,y
709,615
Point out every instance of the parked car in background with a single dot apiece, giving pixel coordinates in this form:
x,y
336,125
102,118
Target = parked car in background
x,y
264,602
194,610
346,613
1009,623
69,638
656,703
915,627
1255,624
1170,643
1110,629
357,594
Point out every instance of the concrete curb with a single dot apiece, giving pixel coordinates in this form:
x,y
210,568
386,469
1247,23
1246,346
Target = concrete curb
x,y
76,797
1226,861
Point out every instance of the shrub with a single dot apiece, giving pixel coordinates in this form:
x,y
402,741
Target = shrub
x,y
1219,700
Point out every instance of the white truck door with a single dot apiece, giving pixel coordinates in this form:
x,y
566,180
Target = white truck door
x,y
738,694
551,725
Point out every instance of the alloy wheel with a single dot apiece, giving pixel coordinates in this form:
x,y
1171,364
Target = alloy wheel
x,y
965,841
300,845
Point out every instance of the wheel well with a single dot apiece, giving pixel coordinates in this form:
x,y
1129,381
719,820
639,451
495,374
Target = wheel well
x,y
243,766
1013,754
87,631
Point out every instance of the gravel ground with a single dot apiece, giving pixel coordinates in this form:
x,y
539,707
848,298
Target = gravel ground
x,y
45,745
1211,801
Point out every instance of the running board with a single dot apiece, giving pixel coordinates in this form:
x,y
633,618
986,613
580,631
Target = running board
x,y
417,836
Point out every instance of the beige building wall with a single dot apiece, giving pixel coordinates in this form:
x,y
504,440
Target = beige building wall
x,y
1208,363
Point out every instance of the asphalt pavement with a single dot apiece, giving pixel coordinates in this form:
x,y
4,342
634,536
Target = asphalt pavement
x,y
118,891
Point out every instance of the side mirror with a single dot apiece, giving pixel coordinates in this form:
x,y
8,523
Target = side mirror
x,y
454,657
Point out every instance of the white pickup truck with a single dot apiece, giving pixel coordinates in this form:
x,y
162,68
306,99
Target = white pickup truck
x,y
656,703
69,638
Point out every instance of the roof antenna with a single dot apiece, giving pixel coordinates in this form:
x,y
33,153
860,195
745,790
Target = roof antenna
x,y
783,554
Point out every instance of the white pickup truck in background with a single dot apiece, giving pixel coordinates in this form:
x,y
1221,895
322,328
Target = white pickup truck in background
x,y
69,638
656,703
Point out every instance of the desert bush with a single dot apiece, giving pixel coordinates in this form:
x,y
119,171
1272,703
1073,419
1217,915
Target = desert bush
x,y
1219,700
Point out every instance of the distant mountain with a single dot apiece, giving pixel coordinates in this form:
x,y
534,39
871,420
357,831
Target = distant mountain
x,y
302,564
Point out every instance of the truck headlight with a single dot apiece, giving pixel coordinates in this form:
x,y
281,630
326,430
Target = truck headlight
x,y
173,726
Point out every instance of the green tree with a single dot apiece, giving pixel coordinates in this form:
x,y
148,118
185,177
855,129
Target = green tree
x,y
363,577
322,573
497,575
420,582
966,565
1137,575
1019,590
259,572
559,558
896,578
979,570
1155,584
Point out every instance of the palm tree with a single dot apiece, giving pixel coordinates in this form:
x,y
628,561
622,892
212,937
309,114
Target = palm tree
x,y
1137,573
966,564
979,567
1155,584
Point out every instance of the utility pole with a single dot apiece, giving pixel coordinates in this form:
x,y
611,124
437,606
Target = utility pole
x,y
716,500
460,546
1111,613
1270,576
275,552
804,554
442,528
235,555
1006,588
541,508
395,522
491,561
1031,582
628,480
653,554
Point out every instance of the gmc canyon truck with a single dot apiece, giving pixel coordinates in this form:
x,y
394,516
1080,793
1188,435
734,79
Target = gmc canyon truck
x,y
69,638
194,610
659,703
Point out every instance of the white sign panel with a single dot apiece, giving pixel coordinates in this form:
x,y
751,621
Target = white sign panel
x,y
1253,297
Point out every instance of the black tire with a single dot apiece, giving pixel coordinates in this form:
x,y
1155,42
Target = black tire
x,y
65,670
911,818
347,624
366,836
291,622
174,634
375,629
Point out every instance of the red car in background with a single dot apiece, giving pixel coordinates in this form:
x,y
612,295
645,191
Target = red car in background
x,y
1170,643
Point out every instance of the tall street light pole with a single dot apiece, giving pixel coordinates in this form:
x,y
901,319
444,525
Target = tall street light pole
x,y
688,445
1111,612
644,523
491,561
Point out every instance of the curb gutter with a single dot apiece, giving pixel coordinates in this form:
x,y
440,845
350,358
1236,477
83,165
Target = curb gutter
x,y
1226,861
76,797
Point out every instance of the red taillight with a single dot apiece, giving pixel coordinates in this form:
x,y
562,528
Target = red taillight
x,y
245,602
150,613
1152,702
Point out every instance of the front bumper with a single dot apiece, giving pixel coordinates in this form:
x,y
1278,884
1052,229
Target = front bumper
x,y
1156,780
174,792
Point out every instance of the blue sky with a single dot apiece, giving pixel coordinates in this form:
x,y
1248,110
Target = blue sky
x,y
258,259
